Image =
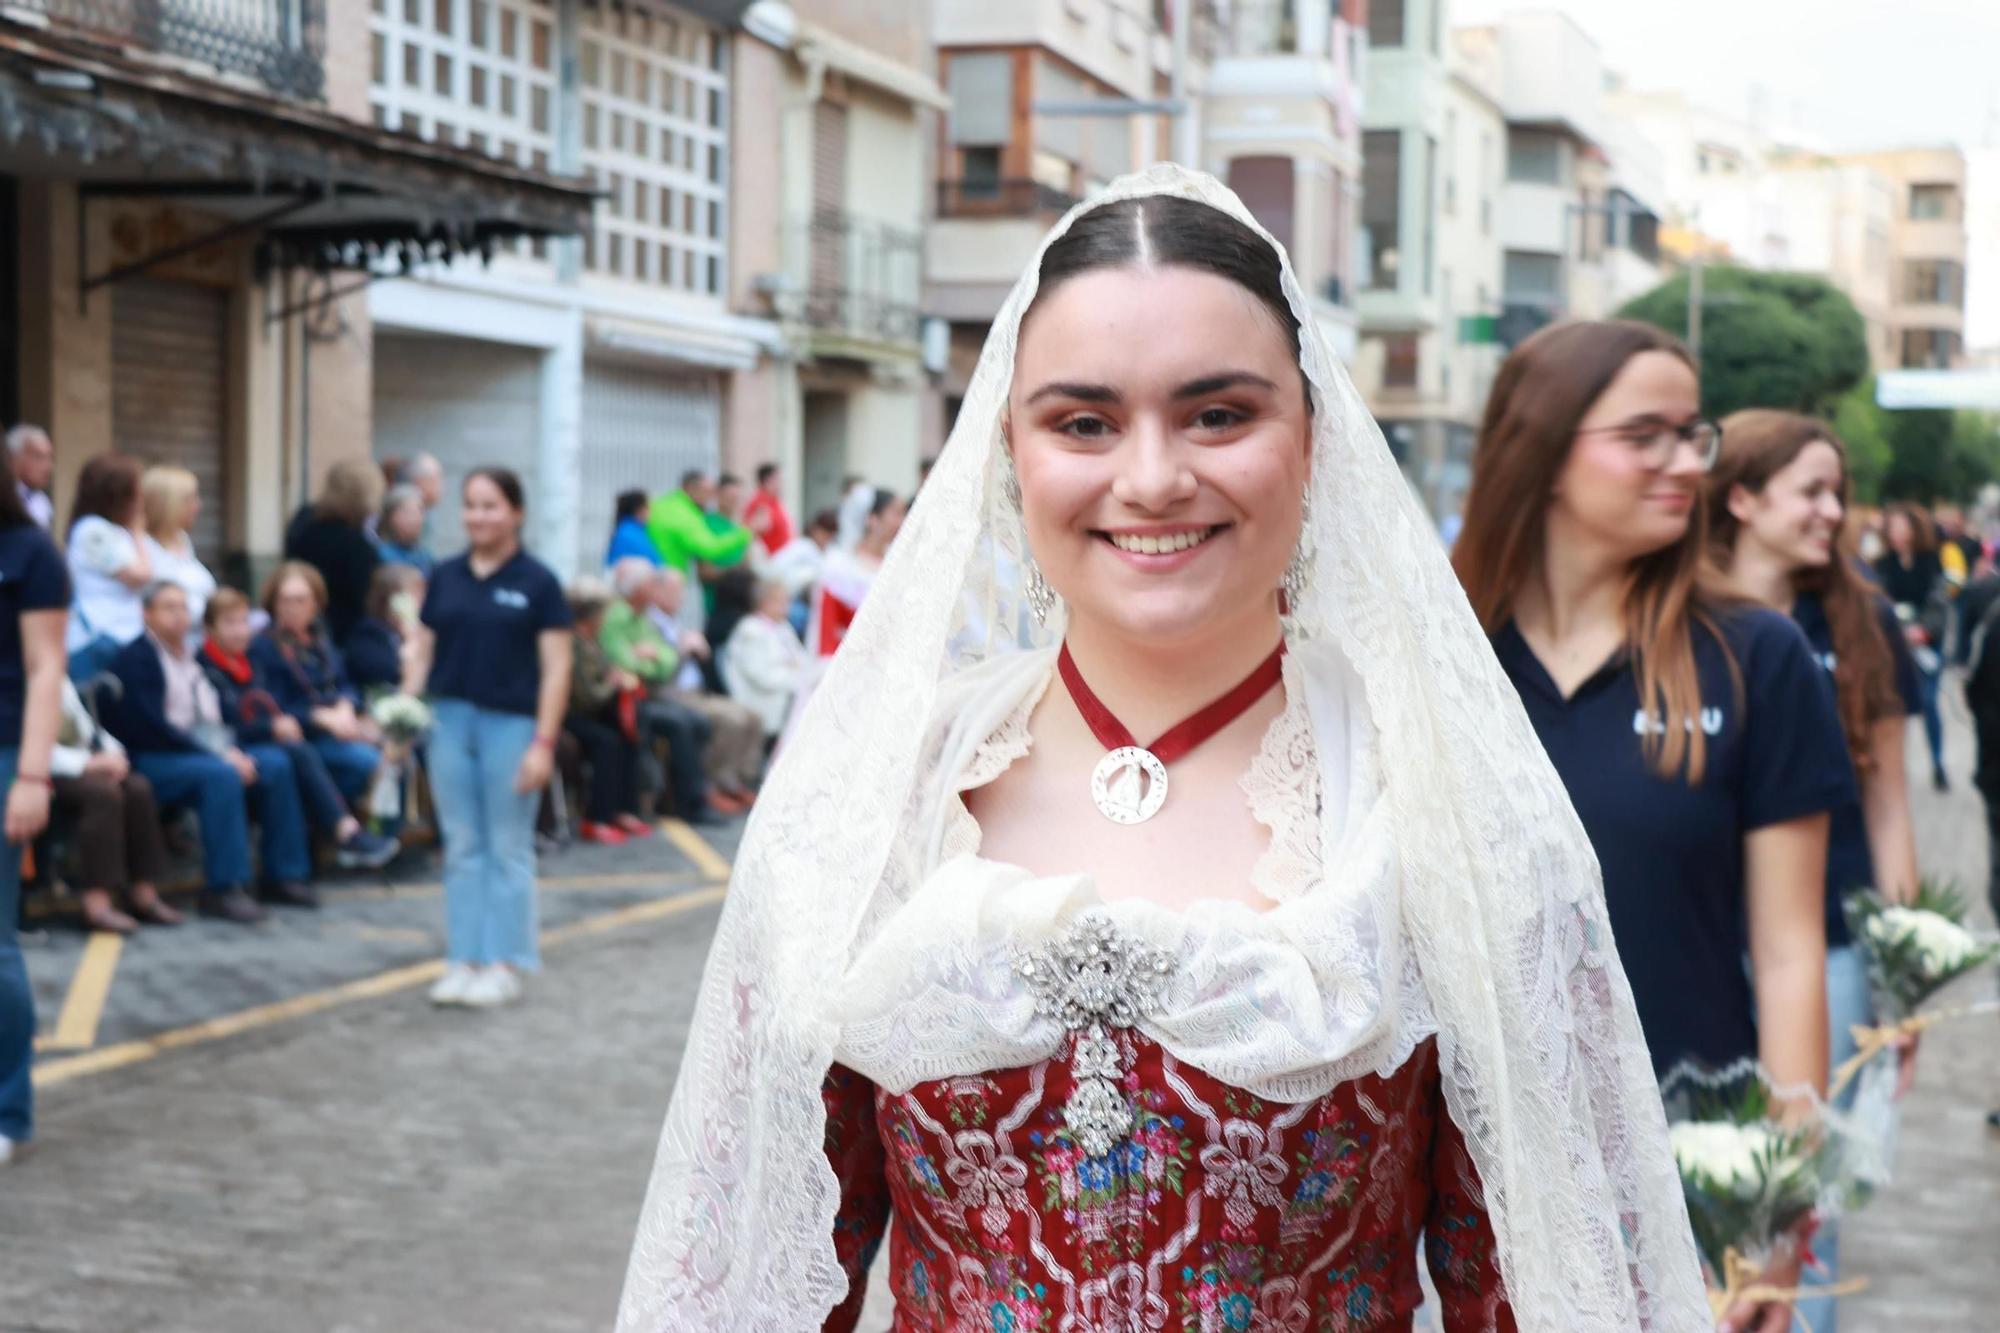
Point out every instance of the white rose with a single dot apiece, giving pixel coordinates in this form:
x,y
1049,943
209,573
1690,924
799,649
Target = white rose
x,y
1719,1153
1943,944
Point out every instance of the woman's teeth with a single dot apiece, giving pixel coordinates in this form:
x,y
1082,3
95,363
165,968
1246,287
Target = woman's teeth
x,y
1162,545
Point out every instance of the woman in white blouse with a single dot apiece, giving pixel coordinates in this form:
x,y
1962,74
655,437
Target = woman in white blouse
x,y
172,500
765,661
108,565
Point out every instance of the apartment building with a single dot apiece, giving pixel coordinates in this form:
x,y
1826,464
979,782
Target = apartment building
x,y
1434,154
193,196
1281,123
1927,254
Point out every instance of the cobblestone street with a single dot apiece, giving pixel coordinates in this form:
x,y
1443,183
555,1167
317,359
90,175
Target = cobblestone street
x,y
269,1130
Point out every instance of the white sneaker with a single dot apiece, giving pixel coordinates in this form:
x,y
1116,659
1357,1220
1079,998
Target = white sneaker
x,y
494,986
6,1150
452,987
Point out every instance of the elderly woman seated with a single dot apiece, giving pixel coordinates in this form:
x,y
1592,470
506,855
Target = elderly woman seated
x,y
119,848
308,678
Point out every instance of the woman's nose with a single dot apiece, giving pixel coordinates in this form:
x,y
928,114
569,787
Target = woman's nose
x,y
1153,474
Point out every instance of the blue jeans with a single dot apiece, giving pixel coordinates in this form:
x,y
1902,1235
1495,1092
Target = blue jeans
x,y
1847,1004
489,834
352,763
318,792
17,1000
1927,695
183,778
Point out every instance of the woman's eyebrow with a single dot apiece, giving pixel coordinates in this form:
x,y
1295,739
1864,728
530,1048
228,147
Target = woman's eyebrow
x,y
1089,393
1228,379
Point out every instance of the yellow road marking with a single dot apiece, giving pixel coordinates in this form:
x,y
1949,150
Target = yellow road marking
x,y
695,848
76,1026
300,1006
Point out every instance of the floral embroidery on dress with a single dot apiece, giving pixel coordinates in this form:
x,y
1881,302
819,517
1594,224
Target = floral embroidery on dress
x,y
1220,1210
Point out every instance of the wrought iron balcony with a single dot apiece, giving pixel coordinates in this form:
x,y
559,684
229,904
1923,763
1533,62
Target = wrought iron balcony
x,y
279,43
1000,199
862,279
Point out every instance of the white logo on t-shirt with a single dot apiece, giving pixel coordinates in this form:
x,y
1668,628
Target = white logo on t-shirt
x,y
511,597
1651,724
1828,661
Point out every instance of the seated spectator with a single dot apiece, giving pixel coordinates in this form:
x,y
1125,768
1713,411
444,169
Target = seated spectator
x,y
798,563
399,530
734,756
331,535
374,648
308,678
631,639
596,688
251,712
628,533
732,597
107,562
171,499
171,723
120,849
765,661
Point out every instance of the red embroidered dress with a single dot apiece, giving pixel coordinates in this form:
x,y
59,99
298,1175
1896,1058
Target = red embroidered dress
x,y
1114,1185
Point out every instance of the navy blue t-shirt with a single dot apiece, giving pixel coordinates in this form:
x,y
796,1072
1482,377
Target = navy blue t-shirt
x,y
1849,865
32,578
1672,852
486,630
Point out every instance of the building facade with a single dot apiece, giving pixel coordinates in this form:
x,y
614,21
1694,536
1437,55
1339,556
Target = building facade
x,y
194,195
1927,254
589,365
848,101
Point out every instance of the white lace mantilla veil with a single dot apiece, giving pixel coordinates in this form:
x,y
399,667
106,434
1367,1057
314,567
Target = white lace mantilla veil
x,y
1502,906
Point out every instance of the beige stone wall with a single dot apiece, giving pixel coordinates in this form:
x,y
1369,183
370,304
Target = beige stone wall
x,y
898,31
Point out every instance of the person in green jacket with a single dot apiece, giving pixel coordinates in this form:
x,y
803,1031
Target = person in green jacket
x,y
679,525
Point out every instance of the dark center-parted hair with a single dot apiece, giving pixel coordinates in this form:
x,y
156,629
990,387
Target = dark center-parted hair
x,y
629,504
1757,444
1165,230
1542,393
503,479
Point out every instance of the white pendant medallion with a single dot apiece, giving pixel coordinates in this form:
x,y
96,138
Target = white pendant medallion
x,y
1129,785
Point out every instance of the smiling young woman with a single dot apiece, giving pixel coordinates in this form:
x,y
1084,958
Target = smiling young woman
x,y
1185,966
1777,507
1692,729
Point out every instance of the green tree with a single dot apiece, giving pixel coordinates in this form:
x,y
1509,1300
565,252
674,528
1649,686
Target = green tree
x,y
1784,340
1864,428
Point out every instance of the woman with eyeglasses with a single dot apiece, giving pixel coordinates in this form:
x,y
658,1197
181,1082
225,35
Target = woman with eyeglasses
x,y
1696,737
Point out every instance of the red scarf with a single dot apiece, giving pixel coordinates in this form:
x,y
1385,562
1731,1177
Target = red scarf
x,y
236,666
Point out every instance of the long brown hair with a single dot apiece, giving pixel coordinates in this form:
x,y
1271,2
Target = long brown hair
x,y
107,488
1543,391
1923,533
1757,444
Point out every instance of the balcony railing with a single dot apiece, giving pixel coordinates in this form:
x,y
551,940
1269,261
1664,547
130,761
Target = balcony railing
x,y
279,43
1000,199
862,278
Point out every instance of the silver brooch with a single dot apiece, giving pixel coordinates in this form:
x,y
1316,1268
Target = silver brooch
x,y
1090,980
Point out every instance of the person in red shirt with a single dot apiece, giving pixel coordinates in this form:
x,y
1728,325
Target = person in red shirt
x,y
766,514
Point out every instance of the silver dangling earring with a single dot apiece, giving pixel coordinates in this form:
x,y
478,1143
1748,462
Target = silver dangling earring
x,y
1297,570
1041,597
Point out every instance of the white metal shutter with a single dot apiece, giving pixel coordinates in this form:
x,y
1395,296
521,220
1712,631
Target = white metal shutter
x,y
642,428
468,403
169,355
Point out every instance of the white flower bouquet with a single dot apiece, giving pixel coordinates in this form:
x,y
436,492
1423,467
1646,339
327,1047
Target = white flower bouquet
x,y
1758,1170
402,717
1916,949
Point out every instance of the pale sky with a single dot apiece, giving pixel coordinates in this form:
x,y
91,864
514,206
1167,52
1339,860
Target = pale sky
x,y
1851,73
1841,74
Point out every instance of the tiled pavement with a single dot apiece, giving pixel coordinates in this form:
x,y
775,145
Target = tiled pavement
x,y
376,1165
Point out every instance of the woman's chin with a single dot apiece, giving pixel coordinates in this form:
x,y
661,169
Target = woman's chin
x,y
1165,616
